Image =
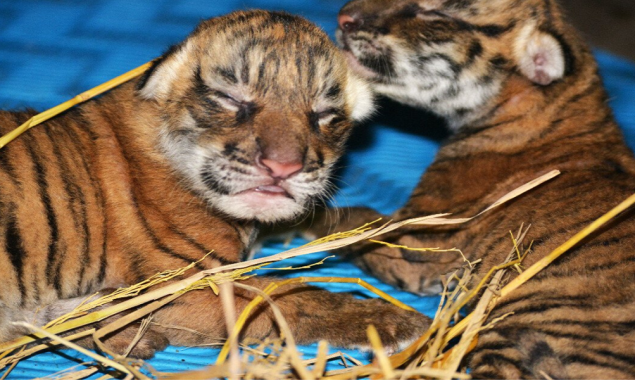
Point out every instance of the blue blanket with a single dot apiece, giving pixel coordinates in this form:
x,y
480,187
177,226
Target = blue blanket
x,y
52,50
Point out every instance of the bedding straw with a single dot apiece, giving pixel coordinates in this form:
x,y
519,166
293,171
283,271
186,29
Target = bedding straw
x,y
429,363
153,299
84,96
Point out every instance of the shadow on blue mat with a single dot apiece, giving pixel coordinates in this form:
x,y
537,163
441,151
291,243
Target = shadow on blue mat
x,y
53,50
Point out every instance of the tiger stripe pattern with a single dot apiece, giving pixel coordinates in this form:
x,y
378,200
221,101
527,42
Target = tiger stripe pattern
x,y
522,95
233,128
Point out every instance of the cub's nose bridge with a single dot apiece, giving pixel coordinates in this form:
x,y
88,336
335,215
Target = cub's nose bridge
x,y
282,143
282,157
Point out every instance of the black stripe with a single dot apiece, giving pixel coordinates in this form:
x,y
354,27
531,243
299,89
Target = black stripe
x,y
213,180
244,73
496,345
7,166
334,91
82,223
580,358
136,261
158,244
496,359
593,87
465,133
475,50
40,176
528,326
85,127
74,196
261,75
617,327
311,73
17,254
103,262
228,74
543,303
204,250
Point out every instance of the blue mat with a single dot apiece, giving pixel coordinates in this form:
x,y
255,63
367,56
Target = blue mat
x,y
52,50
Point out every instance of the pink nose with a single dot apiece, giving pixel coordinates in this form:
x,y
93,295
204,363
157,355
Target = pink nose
x,y
281,169
347,23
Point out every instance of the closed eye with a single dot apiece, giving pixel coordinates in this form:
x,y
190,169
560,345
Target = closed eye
x,y
324,117
431,14
244,110
225,99
205,92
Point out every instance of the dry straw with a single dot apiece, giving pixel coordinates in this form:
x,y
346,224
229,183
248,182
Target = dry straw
x,y
84,96
148,299
427,357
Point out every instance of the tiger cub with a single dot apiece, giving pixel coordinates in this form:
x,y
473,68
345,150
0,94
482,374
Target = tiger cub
x,y
234,127
521,93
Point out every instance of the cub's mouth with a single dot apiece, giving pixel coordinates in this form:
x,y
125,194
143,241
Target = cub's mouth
x,y
269,190
258,195
266,203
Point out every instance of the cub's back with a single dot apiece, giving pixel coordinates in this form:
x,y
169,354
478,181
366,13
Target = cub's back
x,y
51,211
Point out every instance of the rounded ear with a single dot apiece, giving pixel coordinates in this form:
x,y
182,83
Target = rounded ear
x,y
157,81
539,56
360,97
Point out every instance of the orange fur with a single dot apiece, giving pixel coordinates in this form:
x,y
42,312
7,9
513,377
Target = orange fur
x,y
231,128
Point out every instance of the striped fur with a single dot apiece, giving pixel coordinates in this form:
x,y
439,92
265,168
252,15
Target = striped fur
x,y
231,128
523,96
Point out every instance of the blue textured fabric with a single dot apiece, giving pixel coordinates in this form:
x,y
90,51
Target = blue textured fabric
x,y
52,50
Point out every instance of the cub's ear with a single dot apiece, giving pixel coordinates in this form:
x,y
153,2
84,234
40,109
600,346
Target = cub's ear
x,y
155,83
360,97
539,56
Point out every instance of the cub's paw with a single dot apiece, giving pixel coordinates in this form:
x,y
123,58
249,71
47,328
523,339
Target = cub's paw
x,y
418,272
150,342
121,341
397,328
347,325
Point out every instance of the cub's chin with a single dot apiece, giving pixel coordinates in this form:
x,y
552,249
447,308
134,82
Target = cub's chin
x,y
264,204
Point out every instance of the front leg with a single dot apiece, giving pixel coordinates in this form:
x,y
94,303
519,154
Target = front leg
x,y
312,314
414,271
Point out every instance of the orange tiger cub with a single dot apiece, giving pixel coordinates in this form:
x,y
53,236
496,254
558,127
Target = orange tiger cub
x,y
232,128
521,92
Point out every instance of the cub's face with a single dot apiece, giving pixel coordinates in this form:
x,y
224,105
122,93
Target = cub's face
x,y
256,108
452,56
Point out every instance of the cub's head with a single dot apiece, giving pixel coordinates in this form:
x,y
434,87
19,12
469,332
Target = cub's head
x,y
255,108
453,56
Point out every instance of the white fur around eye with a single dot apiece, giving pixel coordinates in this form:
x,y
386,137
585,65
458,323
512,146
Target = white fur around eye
x,y
229,103
324,120
360,97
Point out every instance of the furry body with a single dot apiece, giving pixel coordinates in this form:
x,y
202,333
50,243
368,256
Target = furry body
x,y
229,129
